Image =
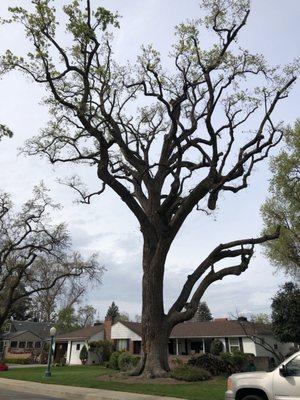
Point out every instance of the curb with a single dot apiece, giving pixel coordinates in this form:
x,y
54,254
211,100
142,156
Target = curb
x,y
74,393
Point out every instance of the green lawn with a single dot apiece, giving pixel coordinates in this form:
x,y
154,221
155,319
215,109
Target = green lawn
x,y
86,377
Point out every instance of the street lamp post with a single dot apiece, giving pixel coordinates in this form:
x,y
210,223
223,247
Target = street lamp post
x,y
52,334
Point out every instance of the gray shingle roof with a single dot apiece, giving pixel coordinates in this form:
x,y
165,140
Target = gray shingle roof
x,y
221,328
81,334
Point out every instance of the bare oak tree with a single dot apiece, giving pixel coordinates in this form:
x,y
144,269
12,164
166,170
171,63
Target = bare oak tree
x,y
166,142
29,244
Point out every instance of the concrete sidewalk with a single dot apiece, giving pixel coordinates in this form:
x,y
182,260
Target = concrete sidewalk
x,y
71,392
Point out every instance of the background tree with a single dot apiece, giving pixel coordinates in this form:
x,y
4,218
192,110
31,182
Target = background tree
x,y
261,318
112,312
86,315
203,313
283,207
166,142
22,309
27,242
66,293
123,316
69,319
286,313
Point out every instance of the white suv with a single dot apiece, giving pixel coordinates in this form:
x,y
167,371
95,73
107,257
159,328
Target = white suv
x,y
281,384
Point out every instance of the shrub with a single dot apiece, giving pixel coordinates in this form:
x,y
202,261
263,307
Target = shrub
x,y
127,361
3,367
190,374
213,364
84,354
238,361
216,347
17,360
177,361
102,349
113,360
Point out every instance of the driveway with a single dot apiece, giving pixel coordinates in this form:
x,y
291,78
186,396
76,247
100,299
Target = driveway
x,y
11,395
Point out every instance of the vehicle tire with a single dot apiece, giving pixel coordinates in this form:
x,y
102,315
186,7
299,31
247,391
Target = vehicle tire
x,y
253,397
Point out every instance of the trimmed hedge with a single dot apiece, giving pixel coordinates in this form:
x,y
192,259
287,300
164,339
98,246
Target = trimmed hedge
x,y
213,364
238,361
17,361
189,373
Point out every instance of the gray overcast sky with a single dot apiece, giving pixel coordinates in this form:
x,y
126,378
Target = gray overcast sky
x,y
106,226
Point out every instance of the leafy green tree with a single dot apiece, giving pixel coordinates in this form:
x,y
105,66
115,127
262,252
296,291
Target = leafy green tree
x,y
179,152
113,312
283,206
203,313
67,320
286,313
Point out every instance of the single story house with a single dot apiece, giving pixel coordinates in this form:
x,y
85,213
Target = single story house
x,y
69,345
189,338
21,339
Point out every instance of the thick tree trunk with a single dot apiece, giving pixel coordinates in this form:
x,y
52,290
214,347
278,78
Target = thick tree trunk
x,y
155,329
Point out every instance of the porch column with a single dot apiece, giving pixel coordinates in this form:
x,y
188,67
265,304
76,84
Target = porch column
x,y
177,347
203,341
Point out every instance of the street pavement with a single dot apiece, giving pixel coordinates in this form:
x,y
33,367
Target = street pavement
x,y
11,395
11,389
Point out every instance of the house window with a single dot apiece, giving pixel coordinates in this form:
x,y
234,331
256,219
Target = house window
x,y
78,346
137,347
234,345
122,344
275,346
22,345
37,345
29,345
14,344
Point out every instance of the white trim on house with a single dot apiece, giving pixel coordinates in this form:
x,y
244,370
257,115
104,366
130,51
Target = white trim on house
x,y
182,344
74,347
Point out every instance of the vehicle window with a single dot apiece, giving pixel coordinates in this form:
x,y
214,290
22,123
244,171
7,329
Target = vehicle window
x,y
293,367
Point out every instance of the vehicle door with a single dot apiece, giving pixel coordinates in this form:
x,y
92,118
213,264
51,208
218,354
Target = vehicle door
x,y
286,381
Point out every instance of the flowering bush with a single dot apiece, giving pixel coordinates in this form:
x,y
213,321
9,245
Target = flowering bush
x,y
3,367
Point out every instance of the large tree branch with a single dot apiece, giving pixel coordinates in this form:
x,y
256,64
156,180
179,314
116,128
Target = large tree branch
x,y
240,248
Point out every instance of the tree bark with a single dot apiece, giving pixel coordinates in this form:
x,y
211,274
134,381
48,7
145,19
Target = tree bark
x,y
155,328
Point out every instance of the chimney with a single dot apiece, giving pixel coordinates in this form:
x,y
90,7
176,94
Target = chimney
x,y
107,328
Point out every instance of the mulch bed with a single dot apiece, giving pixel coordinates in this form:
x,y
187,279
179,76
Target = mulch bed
x,y
123,378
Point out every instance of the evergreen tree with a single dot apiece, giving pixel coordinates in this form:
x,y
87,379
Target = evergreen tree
x,y
203,313
113,312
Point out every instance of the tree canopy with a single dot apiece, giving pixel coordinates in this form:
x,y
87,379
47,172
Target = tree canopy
x,y
283,206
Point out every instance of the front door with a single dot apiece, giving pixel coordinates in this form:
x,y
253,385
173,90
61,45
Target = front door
x,y
288,387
